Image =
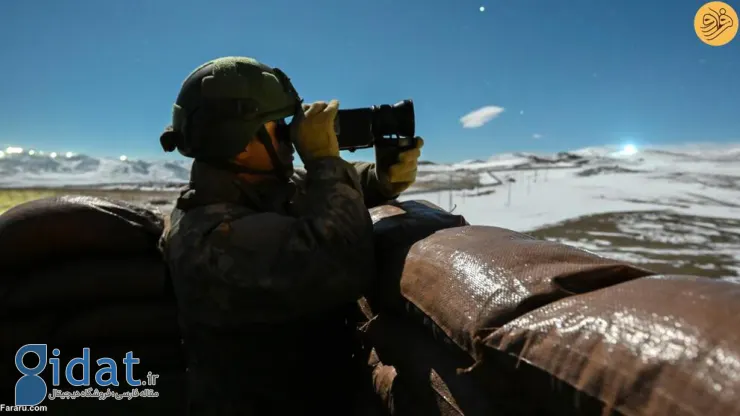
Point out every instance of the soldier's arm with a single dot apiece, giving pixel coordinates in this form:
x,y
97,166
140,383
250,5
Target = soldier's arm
x,y
267,267
371,189
374,196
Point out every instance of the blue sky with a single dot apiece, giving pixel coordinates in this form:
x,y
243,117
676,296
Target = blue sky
x,y
99,77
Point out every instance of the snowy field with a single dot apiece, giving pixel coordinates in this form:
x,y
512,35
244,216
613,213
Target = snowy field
x,y
673,209
609,181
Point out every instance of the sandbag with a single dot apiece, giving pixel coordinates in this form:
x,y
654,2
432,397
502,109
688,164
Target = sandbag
x,y
396,227
86,281
152,320
418,375
409,221
53,228
413,374
468,281
658,345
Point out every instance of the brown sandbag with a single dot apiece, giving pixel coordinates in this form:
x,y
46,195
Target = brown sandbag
x,y
659,345
396,227
57,227
383,377
86,281
413,374
410,221
419,375
468,281
151,320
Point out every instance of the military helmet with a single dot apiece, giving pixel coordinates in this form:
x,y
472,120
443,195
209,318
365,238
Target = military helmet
x,y
226,102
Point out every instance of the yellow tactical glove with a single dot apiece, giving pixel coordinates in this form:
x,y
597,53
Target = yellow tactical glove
x,y
396,172
314,131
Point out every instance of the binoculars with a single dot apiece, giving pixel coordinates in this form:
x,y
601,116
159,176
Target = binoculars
x,y
380,125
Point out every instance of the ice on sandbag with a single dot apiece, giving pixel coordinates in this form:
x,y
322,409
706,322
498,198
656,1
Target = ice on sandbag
x,y
396,227
468,281
658,345
82,282
411,220
54,228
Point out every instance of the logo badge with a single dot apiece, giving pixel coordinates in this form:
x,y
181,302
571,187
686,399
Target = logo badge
x,y
716,23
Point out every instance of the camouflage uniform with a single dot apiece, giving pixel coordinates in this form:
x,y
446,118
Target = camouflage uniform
x,y
265,278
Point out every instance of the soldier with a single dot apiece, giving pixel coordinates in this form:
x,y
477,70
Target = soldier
x,y
266,263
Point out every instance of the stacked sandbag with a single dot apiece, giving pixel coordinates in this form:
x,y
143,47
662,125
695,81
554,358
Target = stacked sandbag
x,y
659,346
404,360
86,272
466,281
397,227
457,284
413,374
54,228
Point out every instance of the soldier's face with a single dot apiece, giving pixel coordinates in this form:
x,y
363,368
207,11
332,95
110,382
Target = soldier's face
x,y
256,156
283,146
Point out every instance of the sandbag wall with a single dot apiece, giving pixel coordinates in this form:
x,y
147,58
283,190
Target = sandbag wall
x,y
84,272
481,320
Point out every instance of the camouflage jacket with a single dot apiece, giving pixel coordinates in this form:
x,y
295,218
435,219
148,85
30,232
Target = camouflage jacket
x,y
263,278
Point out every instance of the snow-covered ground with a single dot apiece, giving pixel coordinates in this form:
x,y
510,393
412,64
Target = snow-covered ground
x,y
674,209
521,191
687,182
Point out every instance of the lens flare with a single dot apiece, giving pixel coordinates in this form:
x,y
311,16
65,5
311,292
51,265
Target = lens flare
x,y
629,149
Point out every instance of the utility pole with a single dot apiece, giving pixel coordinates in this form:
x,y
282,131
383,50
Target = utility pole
x,y
508,201
449,186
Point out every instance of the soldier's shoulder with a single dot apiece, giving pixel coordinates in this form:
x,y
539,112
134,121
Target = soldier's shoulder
x,y
201,220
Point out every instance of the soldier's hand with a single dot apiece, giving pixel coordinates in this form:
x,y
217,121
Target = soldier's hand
x,y
314,131
396,172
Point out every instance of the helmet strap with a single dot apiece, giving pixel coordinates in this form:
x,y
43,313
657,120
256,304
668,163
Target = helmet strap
x,y
277,164
263,136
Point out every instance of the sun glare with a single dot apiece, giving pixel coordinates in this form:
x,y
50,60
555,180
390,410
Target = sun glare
x,y
629,149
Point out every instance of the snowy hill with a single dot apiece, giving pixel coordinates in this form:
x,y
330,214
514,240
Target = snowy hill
x,y
674,206
524,191
598,179
673,209
33,169
19,168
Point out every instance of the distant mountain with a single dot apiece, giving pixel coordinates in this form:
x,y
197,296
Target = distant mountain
x,y
28,169
36,169
471,162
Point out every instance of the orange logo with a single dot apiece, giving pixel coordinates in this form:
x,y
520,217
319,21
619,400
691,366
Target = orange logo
x,y
716,23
